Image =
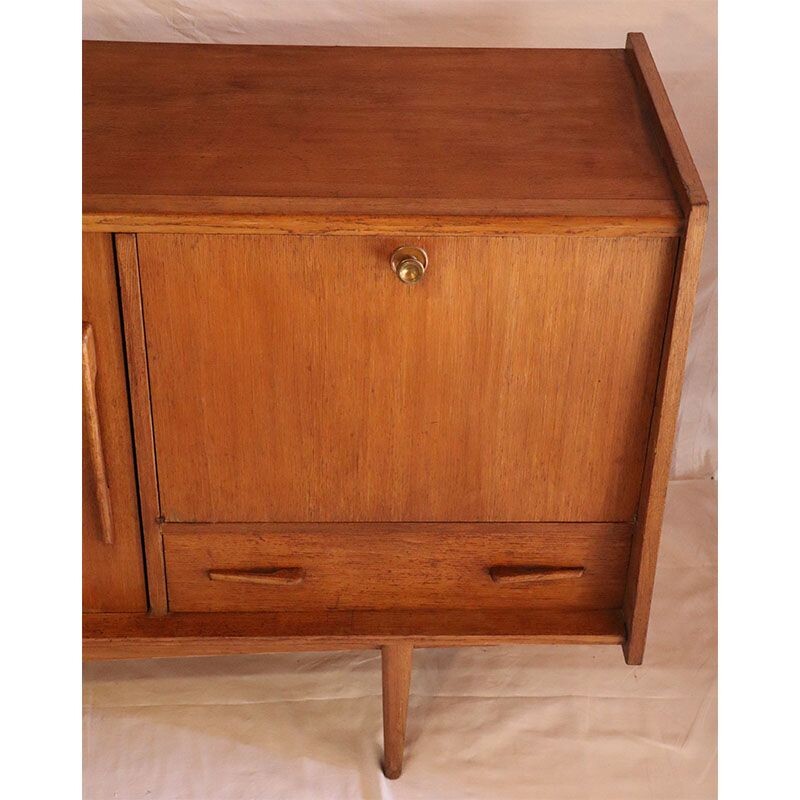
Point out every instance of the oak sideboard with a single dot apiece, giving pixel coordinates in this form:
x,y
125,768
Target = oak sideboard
x,y
382,348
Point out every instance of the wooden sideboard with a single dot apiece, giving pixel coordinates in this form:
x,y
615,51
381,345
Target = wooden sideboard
x,y
382,348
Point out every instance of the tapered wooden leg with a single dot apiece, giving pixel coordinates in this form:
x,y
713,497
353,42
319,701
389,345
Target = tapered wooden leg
x,y
396,667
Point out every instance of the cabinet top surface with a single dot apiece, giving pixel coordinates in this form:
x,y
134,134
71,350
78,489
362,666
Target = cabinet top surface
x,y
290,130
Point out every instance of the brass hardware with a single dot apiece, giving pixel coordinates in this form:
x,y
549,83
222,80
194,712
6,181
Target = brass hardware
x,y
409,264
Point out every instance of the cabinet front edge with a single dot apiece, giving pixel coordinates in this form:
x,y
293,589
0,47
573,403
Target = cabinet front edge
x,y
557,225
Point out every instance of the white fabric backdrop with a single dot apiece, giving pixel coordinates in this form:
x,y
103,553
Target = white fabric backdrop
x,y
681,33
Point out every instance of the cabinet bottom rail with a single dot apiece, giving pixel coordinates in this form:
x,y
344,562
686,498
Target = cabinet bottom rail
x,y
111,636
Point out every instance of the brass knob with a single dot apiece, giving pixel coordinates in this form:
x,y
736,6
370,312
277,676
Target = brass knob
x,y
409,264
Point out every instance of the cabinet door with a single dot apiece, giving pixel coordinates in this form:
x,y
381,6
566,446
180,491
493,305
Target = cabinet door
x,y
113,566
295,378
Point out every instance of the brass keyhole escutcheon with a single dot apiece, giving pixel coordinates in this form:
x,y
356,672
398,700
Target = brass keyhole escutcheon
x,y
409,264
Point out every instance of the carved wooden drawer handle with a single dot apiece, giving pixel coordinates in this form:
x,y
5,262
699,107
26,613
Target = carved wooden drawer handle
x,y
279,576
519,575
94,435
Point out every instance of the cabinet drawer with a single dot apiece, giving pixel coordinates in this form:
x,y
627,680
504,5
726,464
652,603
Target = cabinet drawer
x,y
396,567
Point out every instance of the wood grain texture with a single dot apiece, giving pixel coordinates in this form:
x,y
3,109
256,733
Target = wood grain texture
x,y
692,196
295,378
136,348
482,132
109,636
422,567
113,573
396,681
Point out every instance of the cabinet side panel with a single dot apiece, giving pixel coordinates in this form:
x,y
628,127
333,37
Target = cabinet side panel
x,y
691,194
113,570
647,534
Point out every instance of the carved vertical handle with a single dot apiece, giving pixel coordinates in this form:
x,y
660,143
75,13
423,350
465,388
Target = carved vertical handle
x,y
519,575
93,435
